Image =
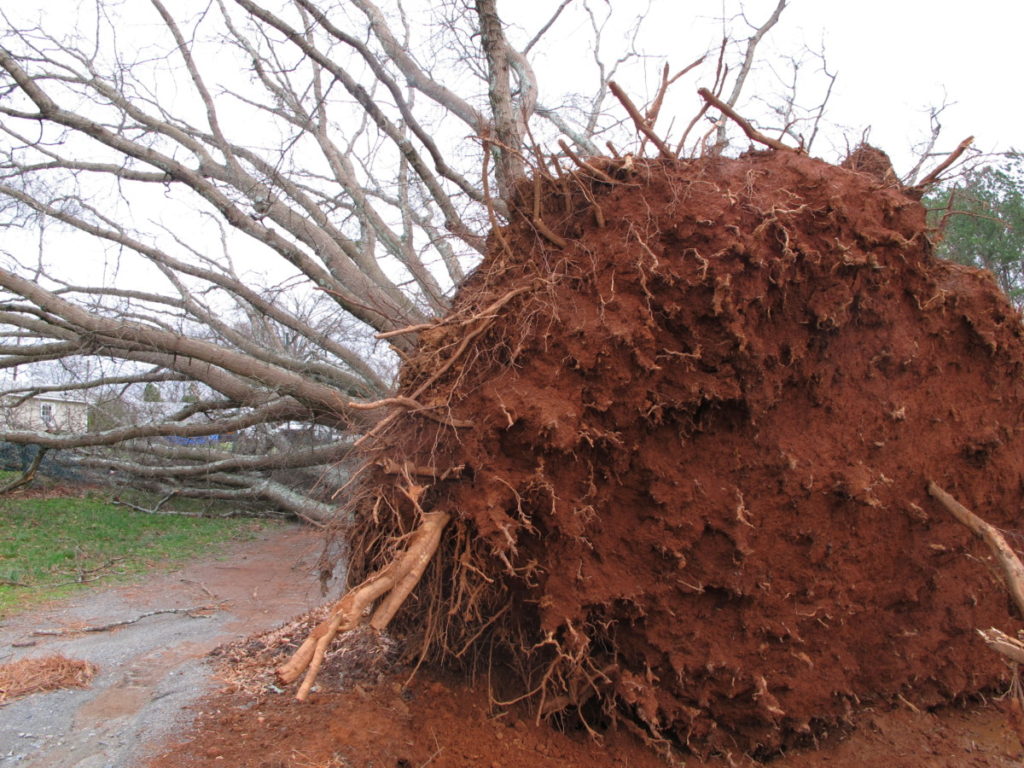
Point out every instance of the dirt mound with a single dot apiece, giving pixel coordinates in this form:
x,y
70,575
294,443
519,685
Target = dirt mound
x,y
684,423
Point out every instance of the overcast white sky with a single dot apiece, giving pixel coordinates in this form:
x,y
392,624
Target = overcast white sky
x,y
895,59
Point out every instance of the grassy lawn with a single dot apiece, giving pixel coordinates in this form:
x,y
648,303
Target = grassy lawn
x,y
53,546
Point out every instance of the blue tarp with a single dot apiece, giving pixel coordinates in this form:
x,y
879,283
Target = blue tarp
x,y
200,440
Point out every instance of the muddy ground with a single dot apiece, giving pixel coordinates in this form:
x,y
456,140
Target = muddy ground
x,y
156,695
153,671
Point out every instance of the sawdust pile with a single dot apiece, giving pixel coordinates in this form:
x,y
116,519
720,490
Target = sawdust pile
x,y
684,425
49,673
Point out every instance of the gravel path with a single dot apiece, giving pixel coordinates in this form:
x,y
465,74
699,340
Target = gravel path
x,y
150,671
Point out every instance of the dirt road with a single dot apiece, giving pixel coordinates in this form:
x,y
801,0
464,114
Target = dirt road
x,y
152,670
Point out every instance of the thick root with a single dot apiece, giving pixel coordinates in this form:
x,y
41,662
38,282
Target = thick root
x,y
394,583
1013,570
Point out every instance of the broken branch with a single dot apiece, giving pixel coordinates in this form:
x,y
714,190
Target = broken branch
x,y
29,474
932,177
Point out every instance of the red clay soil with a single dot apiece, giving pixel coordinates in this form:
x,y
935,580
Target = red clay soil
x,y
441,722
685,436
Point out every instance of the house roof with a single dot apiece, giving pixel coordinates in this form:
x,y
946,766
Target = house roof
x,y
46,399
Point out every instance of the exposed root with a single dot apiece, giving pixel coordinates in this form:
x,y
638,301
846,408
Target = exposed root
x,y
393,583
1013,570
597,172
697,312
639,121
1000,642
403,331
1010,648
752,133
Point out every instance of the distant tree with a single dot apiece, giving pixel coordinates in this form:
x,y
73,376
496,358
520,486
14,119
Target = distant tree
x,y
192,395
151,394
980,223
108,412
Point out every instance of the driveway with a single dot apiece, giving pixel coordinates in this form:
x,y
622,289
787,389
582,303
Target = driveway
x,y
151,671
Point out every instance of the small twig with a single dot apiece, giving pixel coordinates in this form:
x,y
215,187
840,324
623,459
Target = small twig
x,y
682,142
83,572
190,612
932,177
638,120
117,502
752,133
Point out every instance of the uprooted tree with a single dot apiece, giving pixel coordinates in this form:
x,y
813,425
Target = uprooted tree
x,y
669,449
674,452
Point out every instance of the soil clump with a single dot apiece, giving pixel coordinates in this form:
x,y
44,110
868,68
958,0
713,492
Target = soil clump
x,y
684,417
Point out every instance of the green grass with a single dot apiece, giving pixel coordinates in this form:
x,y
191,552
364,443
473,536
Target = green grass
x,y
52,547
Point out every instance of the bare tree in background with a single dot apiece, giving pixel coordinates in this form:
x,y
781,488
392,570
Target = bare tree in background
x,y
238,195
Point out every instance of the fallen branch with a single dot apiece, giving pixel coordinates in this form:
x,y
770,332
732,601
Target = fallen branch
x,y
155,510
752,133
28,475
393,583
1013,570
192,613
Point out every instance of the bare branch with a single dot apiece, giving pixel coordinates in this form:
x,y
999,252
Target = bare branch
x,y
748,62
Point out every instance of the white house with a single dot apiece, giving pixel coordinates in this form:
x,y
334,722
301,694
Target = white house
x,y
43,413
